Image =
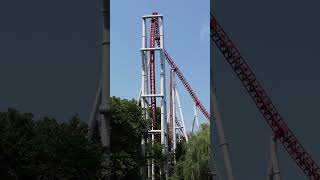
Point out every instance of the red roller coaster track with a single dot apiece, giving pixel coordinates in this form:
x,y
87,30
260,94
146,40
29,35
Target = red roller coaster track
x,y
262,101
181,76
152,74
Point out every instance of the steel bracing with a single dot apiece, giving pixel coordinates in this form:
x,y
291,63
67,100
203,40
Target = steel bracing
x,y
282,133
148,94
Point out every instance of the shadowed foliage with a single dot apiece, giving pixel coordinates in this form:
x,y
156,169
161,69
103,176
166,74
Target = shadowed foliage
x,y
127,128
46,149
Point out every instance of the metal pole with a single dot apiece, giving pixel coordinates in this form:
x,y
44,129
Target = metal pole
x,y
104,108
173,115
143,91
274,159
270,171
181,115
105,98
221,134
218,121
212,163
164,140
193,119
215,175
162,84
196,117
102,98
95,108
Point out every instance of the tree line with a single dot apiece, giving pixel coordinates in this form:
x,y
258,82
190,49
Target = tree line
x,y
48,149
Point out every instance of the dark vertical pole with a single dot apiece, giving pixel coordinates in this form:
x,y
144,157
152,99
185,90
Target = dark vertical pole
x,y
212,164
105,98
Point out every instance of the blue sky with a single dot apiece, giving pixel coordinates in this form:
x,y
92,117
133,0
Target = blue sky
x,y
186,39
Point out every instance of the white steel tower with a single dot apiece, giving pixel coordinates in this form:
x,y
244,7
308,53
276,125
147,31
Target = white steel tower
x,y
149,94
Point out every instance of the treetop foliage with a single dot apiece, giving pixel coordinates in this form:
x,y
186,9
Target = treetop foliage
x,y
46,149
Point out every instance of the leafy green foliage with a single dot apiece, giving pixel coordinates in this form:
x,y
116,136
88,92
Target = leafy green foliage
x,y
193,163
127,128
46,149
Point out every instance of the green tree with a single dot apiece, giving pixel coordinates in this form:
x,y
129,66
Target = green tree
x,y
193,164
127,128
46,149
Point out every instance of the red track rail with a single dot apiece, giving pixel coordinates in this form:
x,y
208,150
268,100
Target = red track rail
x,y
187,86
182,78
263,102
152,74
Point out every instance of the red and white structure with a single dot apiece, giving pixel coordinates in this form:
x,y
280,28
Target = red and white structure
x,y
177,123
150,95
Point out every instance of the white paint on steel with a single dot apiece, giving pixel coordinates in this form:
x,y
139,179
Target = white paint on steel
x,y
181,115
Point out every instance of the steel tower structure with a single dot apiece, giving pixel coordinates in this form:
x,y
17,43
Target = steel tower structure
x,y
148,87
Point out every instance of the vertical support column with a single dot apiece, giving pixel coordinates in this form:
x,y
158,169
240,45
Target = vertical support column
x,y
193,120
216,113
94,111
218,122
143,71
104,109
171,110
162,86
212,163
144,89
174,119
196,117
105,99
275,163
221,135
274,170
181,115
162,130
163,92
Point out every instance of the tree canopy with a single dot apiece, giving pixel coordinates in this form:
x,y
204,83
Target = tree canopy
x,y
193,163
128,127
46,149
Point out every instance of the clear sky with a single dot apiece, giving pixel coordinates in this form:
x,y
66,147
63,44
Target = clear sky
x,y
186,26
